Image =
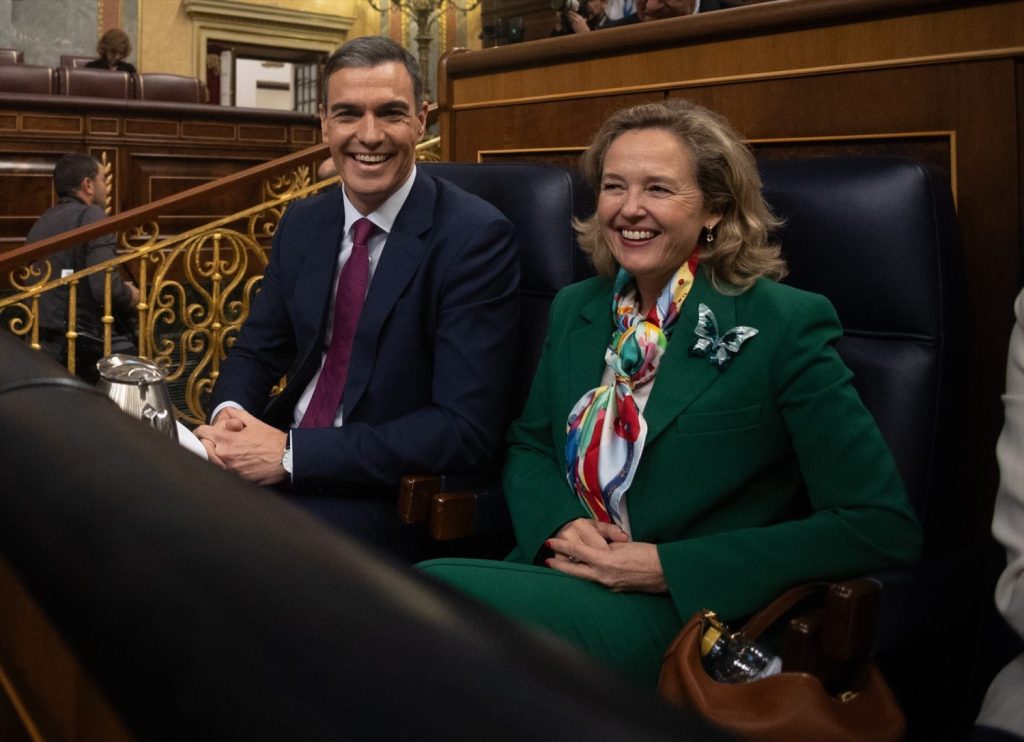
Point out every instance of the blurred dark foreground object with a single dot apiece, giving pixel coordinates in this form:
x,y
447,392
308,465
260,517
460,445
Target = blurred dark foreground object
x,y
201,607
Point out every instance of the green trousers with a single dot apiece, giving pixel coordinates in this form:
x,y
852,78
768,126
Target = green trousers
x,y
627,631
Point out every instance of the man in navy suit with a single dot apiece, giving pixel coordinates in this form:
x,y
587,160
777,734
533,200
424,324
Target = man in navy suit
x,y
431,356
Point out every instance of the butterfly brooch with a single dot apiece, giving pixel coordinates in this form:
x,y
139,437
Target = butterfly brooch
x,y
719,350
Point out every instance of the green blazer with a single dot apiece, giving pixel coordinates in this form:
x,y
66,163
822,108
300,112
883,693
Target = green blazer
x,y
768,473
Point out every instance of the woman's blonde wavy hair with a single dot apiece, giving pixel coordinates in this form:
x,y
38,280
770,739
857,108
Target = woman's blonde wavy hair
x,y
727,177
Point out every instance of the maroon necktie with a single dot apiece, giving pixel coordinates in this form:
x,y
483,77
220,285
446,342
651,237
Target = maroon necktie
x,y
348,304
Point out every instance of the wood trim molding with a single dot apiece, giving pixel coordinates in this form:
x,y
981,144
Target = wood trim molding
x,y
170,204
1012,52
261,25
713,49
278,19
754,20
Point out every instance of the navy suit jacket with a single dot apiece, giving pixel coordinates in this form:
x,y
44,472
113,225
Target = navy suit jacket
x,y
427,387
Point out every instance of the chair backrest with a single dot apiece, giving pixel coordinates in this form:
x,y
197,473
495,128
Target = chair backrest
x,y
877,236
93,83
539,200
165,87
72,60
11,56
26,78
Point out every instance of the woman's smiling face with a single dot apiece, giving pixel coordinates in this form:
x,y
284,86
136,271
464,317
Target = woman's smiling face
x,y
650,209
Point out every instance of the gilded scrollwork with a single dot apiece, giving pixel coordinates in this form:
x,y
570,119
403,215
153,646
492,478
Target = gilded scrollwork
x,y
429,150
23,318
261,226
141,236
286,184
108,177
218,271
27,277
196,290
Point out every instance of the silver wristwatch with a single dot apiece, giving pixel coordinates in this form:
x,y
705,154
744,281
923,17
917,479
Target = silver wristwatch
x,y
286,459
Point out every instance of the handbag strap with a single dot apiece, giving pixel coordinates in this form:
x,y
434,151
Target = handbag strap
x,y
771,613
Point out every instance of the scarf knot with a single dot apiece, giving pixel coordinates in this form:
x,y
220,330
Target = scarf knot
x,y
606,429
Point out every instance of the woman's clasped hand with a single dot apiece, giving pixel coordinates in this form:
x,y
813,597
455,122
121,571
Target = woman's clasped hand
x,y
602,553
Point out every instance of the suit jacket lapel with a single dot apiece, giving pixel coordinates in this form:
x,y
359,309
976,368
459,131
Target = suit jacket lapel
x,y
406,246
681,377
317,277
587,342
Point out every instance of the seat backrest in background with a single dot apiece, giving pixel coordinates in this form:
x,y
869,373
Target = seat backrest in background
x,y
11,56
26,78
165,87
877,236
71,60
540,201
92,83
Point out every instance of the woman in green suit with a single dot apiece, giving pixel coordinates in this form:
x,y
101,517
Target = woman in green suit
x,y
692,439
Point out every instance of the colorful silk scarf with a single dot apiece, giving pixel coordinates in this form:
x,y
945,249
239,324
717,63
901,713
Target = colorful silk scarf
x,y
606,430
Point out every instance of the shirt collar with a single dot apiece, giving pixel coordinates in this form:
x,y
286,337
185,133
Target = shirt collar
x,y
384,217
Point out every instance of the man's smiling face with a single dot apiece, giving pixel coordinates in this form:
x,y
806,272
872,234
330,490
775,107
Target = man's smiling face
x,y
372,124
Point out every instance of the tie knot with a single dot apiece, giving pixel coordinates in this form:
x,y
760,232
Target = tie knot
x,y
361,231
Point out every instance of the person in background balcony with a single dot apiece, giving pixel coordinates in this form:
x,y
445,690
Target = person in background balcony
x,y
593,17
1002,713
113,48
653,10
616,9
692,438
82,193
392,301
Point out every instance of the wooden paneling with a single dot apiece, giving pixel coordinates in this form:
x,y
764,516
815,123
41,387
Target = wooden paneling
x,y
942,82
154,150
547,124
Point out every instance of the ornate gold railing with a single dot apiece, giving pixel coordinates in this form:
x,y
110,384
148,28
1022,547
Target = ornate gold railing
x,y
195,290
195,287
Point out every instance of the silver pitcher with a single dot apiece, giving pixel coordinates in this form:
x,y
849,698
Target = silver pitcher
x,y
139,387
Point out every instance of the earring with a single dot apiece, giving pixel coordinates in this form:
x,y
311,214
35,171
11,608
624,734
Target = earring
x,y
709,236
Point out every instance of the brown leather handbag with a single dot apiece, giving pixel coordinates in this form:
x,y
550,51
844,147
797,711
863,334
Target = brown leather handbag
x,y
784,707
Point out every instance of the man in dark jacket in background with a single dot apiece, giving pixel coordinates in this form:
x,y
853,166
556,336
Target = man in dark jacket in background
x,y
82,192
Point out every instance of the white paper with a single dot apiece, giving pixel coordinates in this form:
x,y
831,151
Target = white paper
x,y
188,439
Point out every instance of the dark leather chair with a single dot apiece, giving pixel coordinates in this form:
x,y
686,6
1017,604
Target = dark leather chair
x,y
540,201
172,88
26,78
877,236
12,56
72,60
85,82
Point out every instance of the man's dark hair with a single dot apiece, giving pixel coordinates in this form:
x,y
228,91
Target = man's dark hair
x,y
71,170
372,51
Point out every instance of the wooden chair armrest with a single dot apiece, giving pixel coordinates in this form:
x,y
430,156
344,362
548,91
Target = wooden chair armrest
x,y
850,619
452,515
415,492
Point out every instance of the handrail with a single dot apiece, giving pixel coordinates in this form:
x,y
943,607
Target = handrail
x,y
18,257
21,256
196,286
